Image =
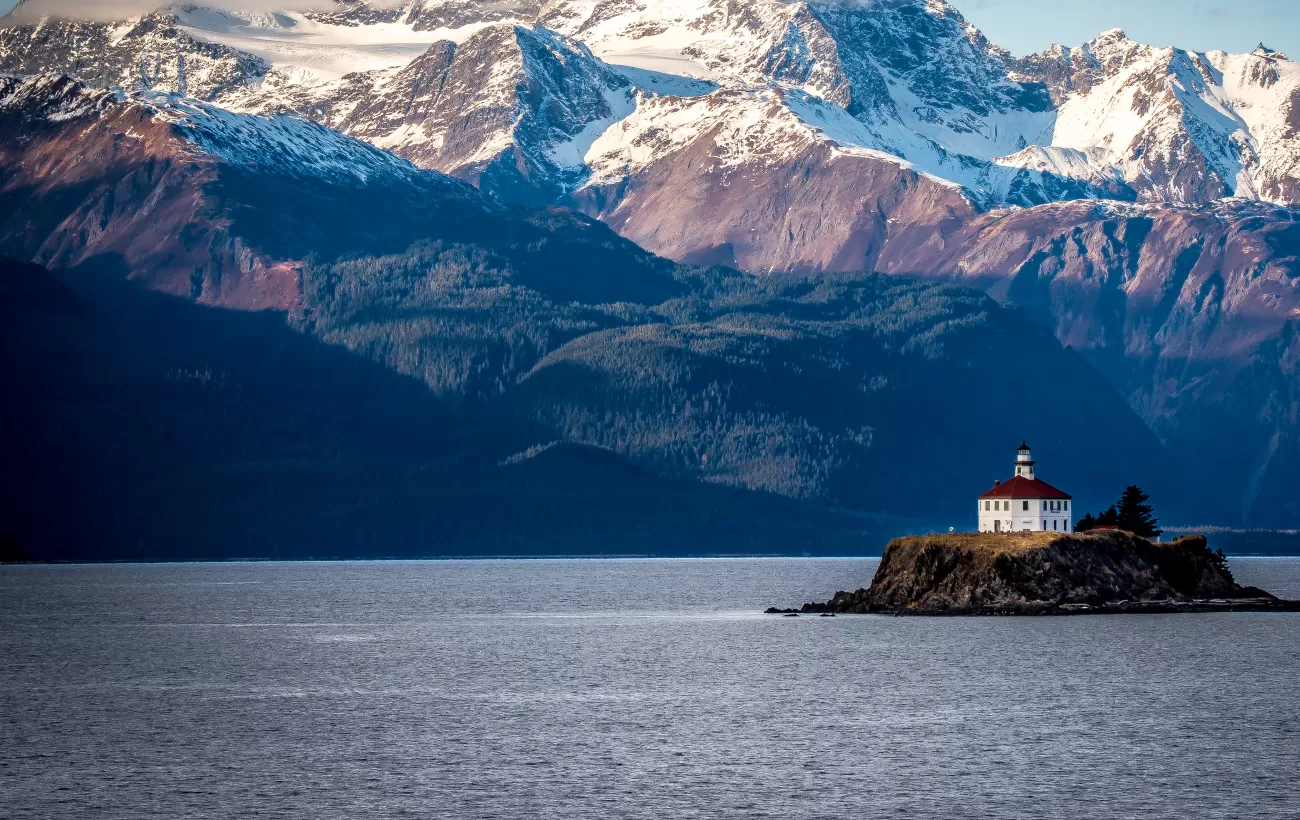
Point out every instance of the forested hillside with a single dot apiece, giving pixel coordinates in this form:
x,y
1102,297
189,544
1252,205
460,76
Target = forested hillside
x,y
255,336
476,414
142,426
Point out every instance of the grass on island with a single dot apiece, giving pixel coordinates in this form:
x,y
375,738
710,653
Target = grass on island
x,y
996,542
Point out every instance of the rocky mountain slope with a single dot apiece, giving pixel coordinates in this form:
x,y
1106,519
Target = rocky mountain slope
x,y
1120,192
521,128
1180,126
1111,117
145,183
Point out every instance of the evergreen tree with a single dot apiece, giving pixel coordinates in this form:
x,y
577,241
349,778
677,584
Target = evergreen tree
x,y
1135,514
1220,560
1109,517
1086,523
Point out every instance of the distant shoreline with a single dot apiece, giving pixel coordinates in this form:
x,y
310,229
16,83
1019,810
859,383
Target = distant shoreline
x,y
449,558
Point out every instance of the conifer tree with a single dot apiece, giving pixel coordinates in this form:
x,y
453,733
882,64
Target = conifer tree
x,y
1135,514
1086,523
1108,517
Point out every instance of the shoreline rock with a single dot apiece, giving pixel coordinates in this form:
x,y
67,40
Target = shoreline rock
x,y
1106,572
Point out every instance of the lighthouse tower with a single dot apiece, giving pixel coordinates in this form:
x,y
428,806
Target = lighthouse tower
x,y
1024,503
1024,462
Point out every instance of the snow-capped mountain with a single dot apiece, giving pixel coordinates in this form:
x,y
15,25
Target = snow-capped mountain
x,y
766,134
512,108
1139,200
1109,119
182,194
1180,126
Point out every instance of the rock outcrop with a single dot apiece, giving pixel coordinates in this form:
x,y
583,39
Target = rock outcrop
x,y
1045,573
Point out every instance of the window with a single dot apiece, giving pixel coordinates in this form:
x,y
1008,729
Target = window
x,y
1026,506
1053,523
1044,504
1067,506
986,506
1044,523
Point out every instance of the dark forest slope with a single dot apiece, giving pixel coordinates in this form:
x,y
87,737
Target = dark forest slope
x,y
143,426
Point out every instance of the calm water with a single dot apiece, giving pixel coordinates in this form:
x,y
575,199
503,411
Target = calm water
x,y
595,689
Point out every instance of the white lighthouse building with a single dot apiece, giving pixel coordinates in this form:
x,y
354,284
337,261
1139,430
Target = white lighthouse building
x,y
1024,502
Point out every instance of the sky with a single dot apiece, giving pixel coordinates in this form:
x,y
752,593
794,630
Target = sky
x,y
1027,26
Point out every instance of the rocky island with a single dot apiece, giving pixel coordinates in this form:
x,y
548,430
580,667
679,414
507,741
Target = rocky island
x,y
1048,573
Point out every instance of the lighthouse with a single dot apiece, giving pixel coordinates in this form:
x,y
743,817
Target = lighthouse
x,y
1024,503
1024,462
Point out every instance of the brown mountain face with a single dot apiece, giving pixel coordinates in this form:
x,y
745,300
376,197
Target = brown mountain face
x,y
195,202
822,211
106,180
1192,314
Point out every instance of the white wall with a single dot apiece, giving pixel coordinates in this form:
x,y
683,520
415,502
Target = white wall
x,y
1016,518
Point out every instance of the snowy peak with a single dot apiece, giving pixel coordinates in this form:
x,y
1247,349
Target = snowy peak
x,y
277,145
1179,126
512,108
1262,50
149,52
53,98
514,94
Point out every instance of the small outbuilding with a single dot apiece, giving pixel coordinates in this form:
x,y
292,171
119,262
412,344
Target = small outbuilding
x,y
1024,503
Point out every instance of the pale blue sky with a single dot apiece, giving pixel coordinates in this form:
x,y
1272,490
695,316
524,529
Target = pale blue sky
x,y
1026,26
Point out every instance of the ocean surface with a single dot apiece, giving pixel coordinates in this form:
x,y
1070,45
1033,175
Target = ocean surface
x,y
609,689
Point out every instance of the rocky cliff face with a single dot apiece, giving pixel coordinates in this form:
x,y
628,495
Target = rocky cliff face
x,y
1046,573
512,109
796,201
1110,117
1183,127
427,15
150,52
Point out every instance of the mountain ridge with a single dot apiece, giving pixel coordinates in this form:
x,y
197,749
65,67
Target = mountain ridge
x,y
1119,192
927,87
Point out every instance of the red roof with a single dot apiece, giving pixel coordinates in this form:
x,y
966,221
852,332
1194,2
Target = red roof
x,y
1021,487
